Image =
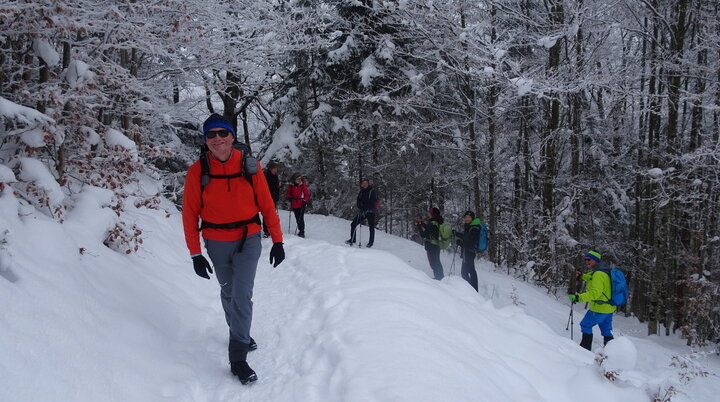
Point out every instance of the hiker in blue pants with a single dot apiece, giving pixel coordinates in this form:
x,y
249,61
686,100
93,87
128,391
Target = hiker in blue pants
x,y
598,292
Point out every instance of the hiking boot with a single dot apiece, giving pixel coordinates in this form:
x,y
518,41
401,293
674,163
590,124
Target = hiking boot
x,y
349,241
586,341
301,234
243,372
253,344
369,245
607,339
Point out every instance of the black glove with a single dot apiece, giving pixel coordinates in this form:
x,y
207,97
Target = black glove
x,y
459,242
202,266
277,253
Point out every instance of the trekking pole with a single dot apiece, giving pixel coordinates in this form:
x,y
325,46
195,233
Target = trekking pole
x,y
571,324
360,233
289,219
452,266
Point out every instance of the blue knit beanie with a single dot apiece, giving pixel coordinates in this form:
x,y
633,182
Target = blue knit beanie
x,y
593,255
217,121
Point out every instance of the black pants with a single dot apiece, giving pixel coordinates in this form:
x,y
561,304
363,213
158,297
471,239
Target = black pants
x,y
370,216
468,271
433,253
300,219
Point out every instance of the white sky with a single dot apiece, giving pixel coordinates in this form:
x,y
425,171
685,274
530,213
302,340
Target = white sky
x,y
333,323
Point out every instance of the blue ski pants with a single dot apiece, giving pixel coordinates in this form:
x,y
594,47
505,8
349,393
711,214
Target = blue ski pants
x,y
603,320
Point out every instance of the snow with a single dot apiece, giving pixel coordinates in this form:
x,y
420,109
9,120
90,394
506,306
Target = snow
x,y
12,111
387,50
333,323
655,173
91,136
284,143
7,175
621,354
34,137
547,41
44,50
114,138
341,124
343,52
78,73
368,71
33,170
524,85
322,110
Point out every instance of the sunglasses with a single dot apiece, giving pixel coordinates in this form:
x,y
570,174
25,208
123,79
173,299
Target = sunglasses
x,y
221,133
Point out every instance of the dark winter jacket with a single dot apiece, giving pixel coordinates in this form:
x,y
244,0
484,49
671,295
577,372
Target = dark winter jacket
x,y
367,199
468,240
273,182
430,231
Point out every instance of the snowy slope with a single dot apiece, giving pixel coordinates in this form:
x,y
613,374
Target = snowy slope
x,y
333,323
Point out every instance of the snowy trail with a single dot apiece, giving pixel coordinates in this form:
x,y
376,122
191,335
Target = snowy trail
x,y
333,323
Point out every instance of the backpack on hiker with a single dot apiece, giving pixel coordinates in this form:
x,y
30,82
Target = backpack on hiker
x,y
444,235
618,287
248,168
483,238
248,165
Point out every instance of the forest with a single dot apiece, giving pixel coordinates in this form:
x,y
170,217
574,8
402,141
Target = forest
x,y
567,125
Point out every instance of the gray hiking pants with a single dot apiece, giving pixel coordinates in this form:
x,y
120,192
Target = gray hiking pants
x,y
235,271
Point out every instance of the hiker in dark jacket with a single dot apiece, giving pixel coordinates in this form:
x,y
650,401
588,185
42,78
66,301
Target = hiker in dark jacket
x,y
598,292
366,203
430,232
468,241
273,181
298,194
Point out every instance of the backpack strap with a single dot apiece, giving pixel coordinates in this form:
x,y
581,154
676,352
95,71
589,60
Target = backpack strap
x,y
233,225
205,175
230,225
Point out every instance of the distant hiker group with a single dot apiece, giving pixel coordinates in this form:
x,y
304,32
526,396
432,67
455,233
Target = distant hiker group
x,y
224,197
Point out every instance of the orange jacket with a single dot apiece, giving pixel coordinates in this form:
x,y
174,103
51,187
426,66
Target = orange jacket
x,y
225,201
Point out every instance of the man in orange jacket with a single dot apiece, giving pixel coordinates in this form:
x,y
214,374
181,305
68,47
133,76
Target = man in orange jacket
x,y
220,192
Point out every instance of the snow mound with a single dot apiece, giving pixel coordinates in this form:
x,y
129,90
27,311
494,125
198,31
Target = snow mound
x,y
621,354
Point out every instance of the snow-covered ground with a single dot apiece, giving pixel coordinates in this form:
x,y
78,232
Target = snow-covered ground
x,y
79,322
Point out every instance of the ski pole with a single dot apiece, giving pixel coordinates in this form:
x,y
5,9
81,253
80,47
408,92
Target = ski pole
x,y
571,324
452,266
289,219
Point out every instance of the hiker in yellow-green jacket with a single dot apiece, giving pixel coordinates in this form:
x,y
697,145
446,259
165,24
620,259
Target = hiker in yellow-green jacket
x,y
598,292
